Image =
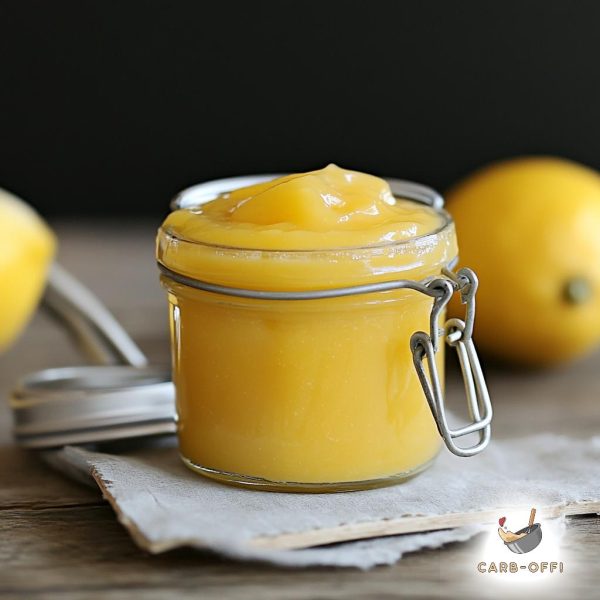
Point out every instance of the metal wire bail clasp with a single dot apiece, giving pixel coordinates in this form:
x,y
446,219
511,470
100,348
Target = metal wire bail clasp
x,y
457,334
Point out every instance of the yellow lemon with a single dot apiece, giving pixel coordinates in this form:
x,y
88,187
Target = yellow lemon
x,y
27,246
530,228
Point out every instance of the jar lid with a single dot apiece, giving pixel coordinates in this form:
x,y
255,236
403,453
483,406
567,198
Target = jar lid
x,y
76,405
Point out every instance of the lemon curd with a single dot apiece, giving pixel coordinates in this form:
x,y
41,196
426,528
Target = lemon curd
x,y
303,394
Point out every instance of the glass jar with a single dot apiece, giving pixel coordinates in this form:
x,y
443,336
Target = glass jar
x,y
316,381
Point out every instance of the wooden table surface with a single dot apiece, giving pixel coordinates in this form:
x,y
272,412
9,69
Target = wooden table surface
x,y
59,539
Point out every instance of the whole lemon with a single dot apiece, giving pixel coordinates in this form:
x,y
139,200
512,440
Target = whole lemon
x,y
530,228
27,246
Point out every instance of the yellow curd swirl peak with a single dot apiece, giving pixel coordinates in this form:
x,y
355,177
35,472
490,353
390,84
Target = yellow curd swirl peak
x,y
352,217
331,207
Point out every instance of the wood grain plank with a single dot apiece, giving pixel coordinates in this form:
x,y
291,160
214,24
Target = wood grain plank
x,y
79,551
27,482
84,553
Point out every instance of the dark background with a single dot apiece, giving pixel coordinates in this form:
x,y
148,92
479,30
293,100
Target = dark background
x,y
110,107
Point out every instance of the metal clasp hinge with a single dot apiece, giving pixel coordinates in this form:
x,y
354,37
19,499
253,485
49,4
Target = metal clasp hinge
x,y
457,334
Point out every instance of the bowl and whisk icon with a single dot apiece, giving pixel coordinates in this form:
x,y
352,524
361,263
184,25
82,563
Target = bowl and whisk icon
x,y
524,540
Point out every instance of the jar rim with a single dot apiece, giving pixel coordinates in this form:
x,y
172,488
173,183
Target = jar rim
x,y
209,260
446,223
196,195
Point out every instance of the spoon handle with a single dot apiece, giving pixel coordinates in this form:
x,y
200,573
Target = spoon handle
x,y
98,333
531,518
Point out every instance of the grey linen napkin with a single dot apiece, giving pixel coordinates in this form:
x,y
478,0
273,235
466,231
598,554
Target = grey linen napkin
x,y
164,505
